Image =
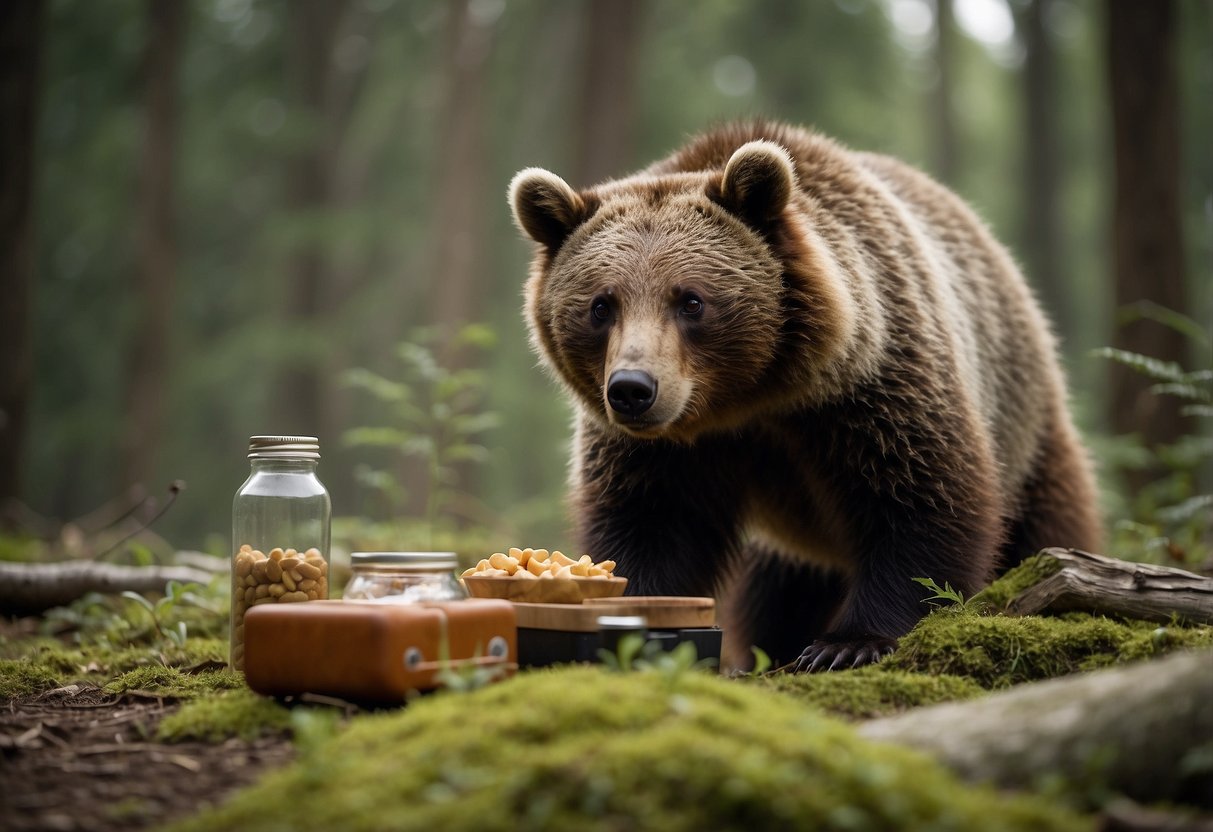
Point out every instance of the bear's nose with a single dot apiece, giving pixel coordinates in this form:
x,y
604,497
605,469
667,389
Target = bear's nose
x,y
631,392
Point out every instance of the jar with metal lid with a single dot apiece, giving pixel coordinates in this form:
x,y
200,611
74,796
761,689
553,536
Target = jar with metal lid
x,y
403,577
281,520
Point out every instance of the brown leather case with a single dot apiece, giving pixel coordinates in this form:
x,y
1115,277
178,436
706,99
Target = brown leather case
x,y
373,652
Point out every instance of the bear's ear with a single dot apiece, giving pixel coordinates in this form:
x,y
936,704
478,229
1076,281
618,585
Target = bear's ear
x,y
545,207
758,182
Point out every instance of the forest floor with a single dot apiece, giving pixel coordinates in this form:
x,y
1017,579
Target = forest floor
x,y
79,758
83,730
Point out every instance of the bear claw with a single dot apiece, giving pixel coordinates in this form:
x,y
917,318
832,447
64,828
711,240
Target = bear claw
x,y
822,656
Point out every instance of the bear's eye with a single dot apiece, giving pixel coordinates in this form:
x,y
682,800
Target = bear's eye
x,y
600,311
692,306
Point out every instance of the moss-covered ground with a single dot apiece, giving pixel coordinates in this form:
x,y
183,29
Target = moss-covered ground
x,y
958,651
230,713
177,671
997,651
581,748
869,691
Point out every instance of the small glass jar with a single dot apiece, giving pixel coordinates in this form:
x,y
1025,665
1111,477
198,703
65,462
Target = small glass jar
x,y
281,520
403,577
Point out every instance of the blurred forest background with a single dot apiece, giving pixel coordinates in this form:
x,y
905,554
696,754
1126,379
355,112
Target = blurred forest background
x,y
231,217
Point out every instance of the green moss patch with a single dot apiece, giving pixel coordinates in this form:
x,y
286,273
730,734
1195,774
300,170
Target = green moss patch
x,y
1030,572
46,665
170,681
870,691
999,651
22,677
579,748
234,713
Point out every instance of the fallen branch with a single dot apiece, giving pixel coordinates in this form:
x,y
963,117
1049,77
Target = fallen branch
x,y
1107,586
201,560
30,588
1133,727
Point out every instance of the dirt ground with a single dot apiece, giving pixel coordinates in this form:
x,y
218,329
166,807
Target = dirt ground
x,y
77,758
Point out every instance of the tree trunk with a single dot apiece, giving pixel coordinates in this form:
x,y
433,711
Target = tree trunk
x,y
608,94
20,58
1146,228
459,216
945,162
313,26
460,226
157,255
1041,221
1135,726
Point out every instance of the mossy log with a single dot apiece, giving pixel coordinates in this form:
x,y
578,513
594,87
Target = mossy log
x,y
31,588
1077,581
1138,730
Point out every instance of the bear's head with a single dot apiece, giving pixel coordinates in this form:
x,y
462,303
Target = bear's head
x,y
662,302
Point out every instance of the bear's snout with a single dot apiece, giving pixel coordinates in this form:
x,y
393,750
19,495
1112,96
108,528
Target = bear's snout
x,y
631,392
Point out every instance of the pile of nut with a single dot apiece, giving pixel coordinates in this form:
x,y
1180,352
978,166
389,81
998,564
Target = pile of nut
x,y
282,576
529,564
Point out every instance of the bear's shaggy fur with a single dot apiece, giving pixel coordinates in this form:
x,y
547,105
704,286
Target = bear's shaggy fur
x,y
804,375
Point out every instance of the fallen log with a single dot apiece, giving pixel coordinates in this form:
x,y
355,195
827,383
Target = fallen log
x,y
1085,582
201,560
31,588
1136,729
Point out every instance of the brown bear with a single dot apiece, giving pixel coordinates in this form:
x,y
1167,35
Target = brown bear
x,y
807,374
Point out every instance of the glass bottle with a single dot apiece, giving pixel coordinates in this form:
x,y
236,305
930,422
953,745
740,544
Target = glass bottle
x,y
280,531
403,577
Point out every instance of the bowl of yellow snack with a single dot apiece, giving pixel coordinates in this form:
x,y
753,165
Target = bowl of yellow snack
x,y
542,577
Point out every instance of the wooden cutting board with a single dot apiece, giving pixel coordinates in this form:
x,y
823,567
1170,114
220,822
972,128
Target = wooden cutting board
x,y
660,611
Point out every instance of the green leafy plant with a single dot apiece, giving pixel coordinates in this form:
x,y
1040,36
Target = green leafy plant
x,y
945,594
175,593
762,662
112,622
435,415
623,658
464,677
635,653
1173,516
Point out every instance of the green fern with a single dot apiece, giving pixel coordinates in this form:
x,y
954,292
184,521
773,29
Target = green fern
x,y
1173,518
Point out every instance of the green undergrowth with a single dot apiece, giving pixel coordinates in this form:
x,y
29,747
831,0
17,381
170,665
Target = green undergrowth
x,y
870,691
40,665
974,640
998,651
957,651
231,713
580,748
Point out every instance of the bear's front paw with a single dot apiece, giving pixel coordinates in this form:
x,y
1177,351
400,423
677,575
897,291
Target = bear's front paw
x,y
828,654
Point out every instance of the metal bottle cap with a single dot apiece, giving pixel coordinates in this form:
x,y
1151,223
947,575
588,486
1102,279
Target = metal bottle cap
x,y
283,447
